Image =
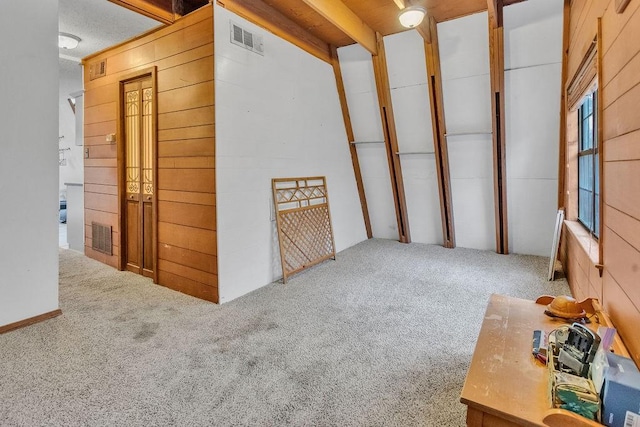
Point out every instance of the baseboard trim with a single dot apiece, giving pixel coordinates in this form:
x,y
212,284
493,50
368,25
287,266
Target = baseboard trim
x,y
30,321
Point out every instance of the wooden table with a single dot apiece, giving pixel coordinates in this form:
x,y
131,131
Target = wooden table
x,y
505,384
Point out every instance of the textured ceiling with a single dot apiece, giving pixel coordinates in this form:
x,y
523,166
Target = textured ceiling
x,y
100,24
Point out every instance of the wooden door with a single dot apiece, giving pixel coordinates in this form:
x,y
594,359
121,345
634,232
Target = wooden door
x,y
139,155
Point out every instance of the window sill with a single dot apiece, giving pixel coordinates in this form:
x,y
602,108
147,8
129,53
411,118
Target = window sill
x,y
588,243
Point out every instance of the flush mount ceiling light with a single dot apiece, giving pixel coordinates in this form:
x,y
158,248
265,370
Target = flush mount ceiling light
x,y
412,16
68,41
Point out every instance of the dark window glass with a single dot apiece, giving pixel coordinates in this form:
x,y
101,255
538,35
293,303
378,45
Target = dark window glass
x,y
588,171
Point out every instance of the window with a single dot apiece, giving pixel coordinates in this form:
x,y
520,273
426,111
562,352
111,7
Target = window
x,y
588,173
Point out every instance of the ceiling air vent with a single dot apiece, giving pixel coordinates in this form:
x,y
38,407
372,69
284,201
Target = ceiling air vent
x,y
246,39
98,69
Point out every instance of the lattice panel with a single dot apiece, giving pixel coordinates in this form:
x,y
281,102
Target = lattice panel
x,y
304,223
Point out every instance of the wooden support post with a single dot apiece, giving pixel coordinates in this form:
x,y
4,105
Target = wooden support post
x,y
391,140
438,127
562,146
350,138
496,52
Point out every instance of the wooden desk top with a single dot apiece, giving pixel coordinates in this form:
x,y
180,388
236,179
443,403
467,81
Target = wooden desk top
x,y
504,380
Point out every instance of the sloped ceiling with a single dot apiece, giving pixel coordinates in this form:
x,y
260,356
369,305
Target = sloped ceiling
x,y
103,23
379,15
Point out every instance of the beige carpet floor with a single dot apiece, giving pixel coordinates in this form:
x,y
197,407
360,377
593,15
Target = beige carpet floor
x,y
381,337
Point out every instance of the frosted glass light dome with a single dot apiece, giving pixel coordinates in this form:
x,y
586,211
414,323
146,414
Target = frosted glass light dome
x,y
412,16
68,41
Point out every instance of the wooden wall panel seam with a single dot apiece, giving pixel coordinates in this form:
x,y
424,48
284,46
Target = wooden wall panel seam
x,y
613,310
112,78
622,94
191,61
160,62
620,31
153,35
200,276
164,91
623,239
615,232
581,21
186,249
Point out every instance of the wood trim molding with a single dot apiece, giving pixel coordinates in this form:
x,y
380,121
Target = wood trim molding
x,y
494,8
267,17
30,321
562,153
496,63
434,78
120,162
156,216
391,140
346,21
335,62
621,5
601,147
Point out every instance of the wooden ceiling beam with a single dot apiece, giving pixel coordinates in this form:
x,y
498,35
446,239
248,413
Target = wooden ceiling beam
x,y
160,13
346,21
269,18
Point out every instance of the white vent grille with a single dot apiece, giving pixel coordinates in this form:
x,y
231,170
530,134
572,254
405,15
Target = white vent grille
x,y
246,39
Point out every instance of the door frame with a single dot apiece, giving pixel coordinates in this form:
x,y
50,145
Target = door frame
x,y
122,194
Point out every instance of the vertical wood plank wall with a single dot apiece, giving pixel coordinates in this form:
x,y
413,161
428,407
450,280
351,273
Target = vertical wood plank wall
x,y
183,56
620,90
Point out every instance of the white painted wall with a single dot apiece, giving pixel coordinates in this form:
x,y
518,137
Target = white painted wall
x,y
533,69
466,86
277,115
70,82
407,70
28,165
362,99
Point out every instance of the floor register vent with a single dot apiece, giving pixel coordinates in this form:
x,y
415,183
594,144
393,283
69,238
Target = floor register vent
x,y
246,39
101,238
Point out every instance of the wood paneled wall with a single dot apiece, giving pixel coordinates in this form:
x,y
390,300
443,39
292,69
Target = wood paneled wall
x,y
620,90
183,56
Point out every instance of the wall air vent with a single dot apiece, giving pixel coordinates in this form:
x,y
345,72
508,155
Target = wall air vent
x,y
246,39
101,238
98,69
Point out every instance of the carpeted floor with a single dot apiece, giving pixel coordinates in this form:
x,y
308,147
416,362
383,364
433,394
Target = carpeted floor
x,y
381,337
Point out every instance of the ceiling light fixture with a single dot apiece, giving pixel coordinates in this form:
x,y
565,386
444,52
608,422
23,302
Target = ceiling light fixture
x,y
412,16
68,41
